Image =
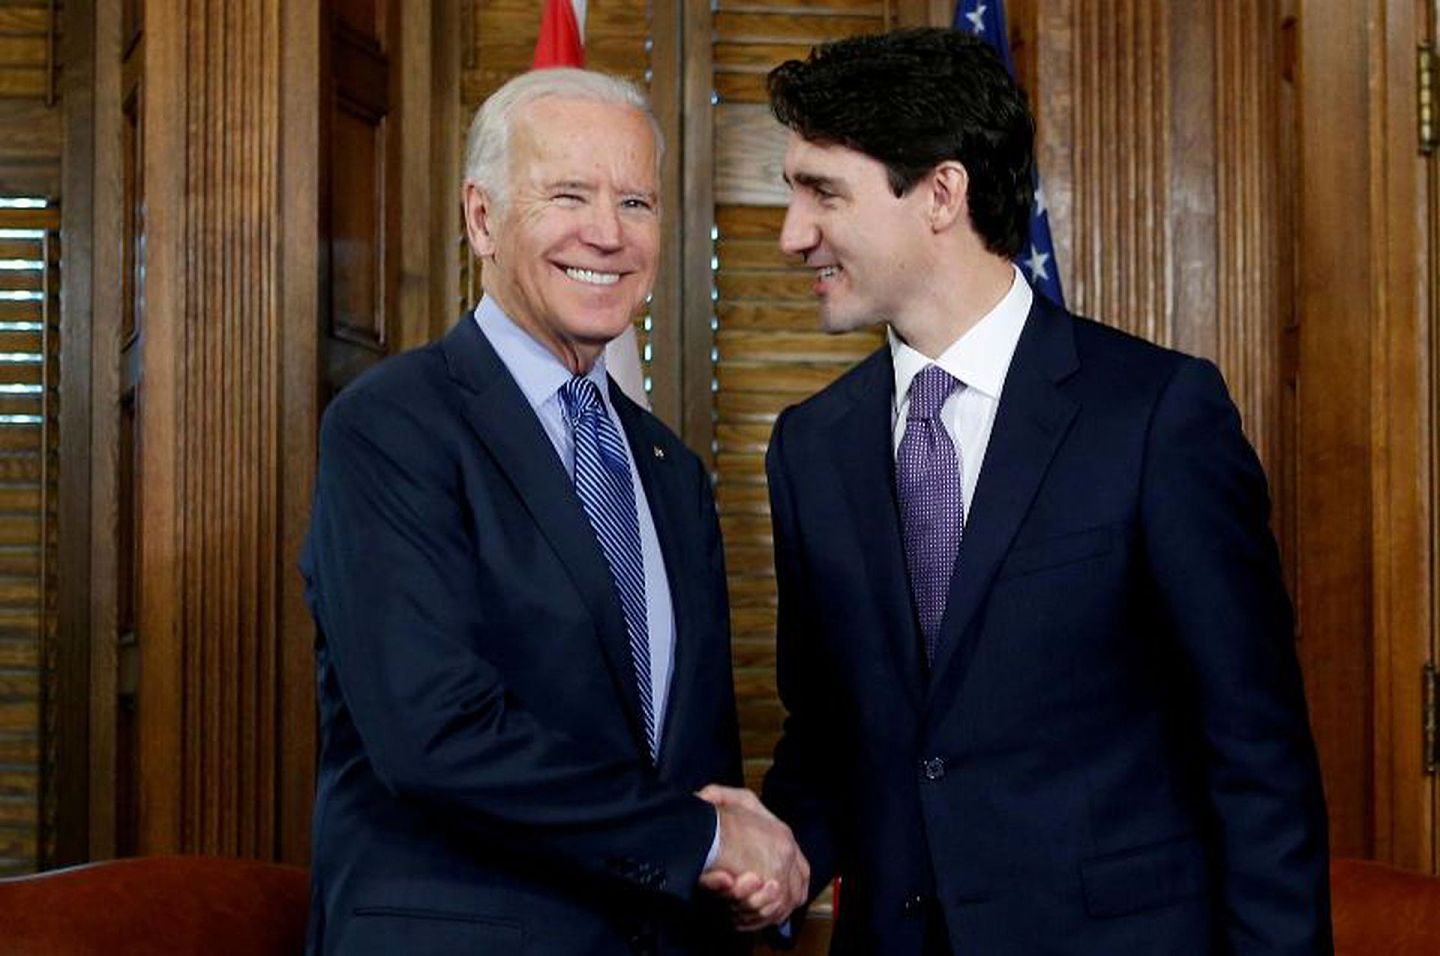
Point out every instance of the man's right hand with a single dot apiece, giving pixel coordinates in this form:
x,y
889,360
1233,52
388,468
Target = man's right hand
x,y
759,867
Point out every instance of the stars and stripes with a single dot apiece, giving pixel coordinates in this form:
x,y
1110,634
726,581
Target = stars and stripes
x,y
1037,259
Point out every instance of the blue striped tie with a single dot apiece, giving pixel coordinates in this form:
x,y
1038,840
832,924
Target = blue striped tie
x,y
602,480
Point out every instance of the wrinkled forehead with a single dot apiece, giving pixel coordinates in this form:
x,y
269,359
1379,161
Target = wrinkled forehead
x,y
584,131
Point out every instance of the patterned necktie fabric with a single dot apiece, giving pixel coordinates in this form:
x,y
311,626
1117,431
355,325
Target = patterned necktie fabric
x,y
932,506
603,483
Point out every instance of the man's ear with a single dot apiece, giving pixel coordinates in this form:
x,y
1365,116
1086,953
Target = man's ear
x,y
949,195
480,214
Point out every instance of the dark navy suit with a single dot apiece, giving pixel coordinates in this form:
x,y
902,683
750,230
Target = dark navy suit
x,y
1110,754
484,783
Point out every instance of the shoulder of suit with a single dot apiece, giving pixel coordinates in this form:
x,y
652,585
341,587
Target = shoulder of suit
x,y
401,380
1116,356
871,372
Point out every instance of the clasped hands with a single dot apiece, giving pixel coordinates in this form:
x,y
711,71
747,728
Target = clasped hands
x,y
759,868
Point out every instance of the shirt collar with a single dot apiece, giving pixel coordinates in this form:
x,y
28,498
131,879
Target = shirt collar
x,y
978,359
536,369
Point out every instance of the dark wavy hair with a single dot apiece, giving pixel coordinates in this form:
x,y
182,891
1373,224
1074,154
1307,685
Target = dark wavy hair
x,y
913,99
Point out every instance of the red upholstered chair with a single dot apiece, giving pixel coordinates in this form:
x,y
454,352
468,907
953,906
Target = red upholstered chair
x,y
164,904
1383,911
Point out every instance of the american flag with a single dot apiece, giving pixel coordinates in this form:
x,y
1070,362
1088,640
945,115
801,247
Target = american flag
x,y
987,20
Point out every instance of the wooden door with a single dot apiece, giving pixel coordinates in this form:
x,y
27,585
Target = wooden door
x,y
359,201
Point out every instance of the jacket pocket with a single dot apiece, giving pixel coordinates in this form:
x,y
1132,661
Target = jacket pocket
x,y
1059,550
1144,877
394,929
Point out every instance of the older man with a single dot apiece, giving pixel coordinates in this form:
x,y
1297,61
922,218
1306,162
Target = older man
x,y
523,664
1037,656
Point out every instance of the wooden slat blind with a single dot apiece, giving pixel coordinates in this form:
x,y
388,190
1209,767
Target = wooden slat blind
x,y
29,49
499,45
29,346
769,352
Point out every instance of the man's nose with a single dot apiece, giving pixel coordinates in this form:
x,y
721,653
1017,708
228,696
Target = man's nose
x,y
603,228
798,235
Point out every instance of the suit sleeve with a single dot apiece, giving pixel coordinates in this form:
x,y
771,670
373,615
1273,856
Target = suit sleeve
x,y
392,568
727,720
800,786
1216,569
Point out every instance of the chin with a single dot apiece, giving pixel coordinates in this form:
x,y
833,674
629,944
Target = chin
x,y
600,328
838,322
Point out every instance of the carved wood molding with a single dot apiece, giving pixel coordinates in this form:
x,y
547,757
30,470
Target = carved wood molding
x,y
210,431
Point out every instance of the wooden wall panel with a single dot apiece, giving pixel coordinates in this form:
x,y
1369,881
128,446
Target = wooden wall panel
x,y
1251,223
298,294
220,391
209,432
1403,388
361,183
1160,128
1365,399
1333,594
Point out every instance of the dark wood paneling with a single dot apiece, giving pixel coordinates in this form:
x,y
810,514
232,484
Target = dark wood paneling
x,y
1403,392
299,295
1334,493
356,227
209,433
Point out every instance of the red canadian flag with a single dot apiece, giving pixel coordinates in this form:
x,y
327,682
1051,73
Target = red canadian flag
x,y
561,40
562,43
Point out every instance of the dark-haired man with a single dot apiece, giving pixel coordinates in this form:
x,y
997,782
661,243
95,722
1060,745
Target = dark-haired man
x,y
1033,642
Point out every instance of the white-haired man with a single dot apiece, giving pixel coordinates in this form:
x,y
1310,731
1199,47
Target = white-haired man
x,y
523,664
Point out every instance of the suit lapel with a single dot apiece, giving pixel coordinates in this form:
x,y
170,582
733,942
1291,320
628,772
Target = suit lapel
x,y
667,498
502,418
861,441
1033,417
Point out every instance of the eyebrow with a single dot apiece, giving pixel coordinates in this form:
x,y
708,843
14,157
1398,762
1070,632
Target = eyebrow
x,y
572,184
813,181
580,185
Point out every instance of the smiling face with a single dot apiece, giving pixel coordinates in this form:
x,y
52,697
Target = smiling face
x,y
868,248
571,252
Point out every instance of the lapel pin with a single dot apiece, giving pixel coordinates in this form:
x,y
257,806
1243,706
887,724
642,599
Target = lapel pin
x,y
659,453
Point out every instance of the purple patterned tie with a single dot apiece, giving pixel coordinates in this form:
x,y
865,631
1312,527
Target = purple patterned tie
x,y
932,505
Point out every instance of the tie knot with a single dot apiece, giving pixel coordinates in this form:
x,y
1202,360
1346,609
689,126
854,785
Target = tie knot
x,y
580,397
928,391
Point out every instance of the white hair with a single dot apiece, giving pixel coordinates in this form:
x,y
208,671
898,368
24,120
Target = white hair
x,y
487,145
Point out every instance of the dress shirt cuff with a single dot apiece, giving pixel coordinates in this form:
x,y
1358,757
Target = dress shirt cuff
x,y
714,853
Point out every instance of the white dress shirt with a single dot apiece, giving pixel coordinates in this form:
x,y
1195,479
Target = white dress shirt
x,y
979,360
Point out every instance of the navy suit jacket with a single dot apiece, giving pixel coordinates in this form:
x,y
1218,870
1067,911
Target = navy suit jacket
x,y
1111,752
484,784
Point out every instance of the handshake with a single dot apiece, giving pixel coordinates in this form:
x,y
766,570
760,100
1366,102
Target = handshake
x,y
759,868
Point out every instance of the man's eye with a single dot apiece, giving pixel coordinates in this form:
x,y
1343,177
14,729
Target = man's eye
x,y
637,204
568,199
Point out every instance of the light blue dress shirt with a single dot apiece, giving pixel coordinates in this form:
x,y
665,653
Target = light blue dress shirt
x,y
540,375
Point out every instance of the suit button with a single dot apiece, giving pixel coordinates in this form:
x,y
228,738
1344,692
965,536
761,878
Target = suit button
x,y
914,906
933,768
642,943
